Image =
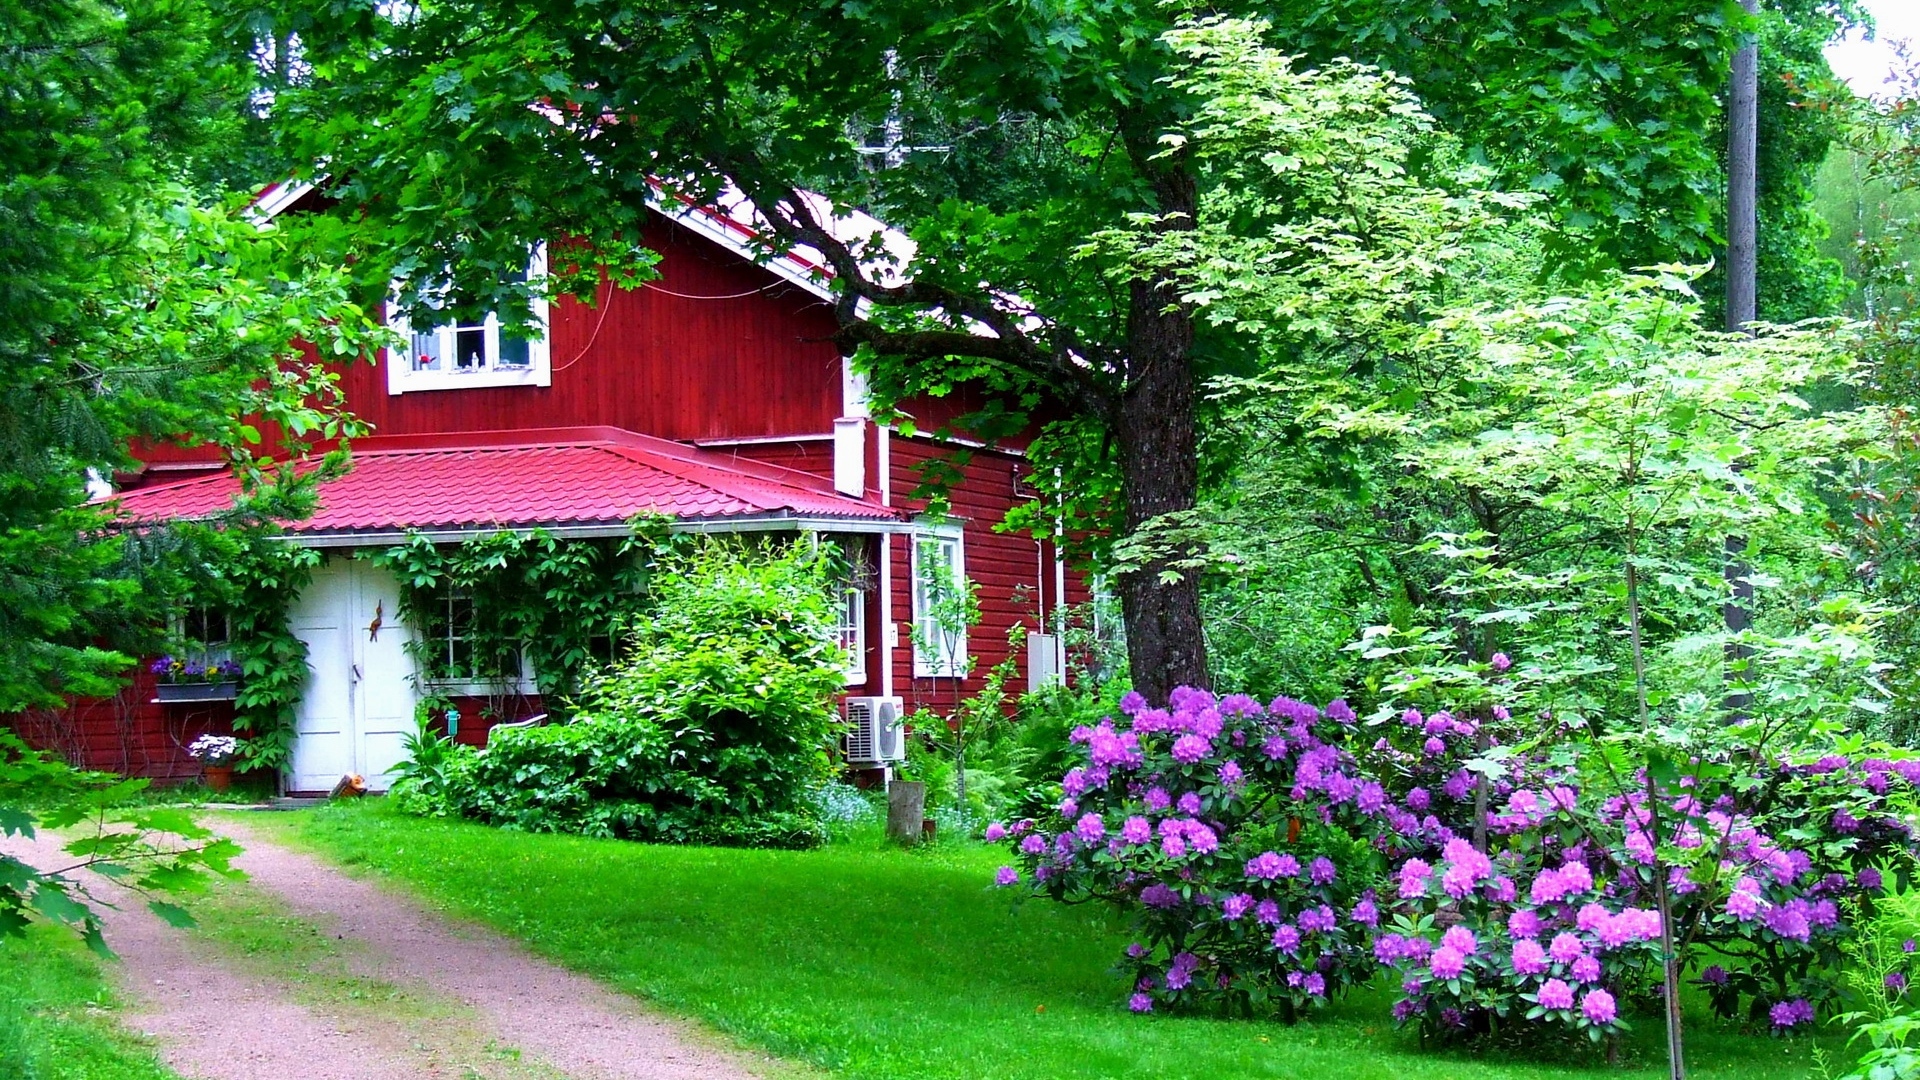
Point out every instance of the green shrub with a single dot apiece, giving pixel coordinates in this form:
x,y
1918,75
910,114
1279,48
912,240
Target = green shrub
x,y
713,728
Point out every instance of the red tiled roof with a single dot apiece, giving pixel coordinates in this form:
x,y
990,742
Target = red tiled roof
x,y
562,478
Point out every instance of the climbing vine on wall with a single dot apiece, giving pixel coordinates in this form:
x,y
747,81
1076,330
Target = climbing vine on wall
x,y
254,578
562,603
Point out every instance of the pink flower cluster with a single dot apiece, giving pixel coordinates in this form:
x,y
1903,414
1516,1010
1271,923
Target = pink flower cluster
x,y
1225,826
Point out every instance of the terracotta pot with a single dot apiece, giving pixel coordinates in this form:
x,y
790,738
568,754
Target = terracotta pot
x,y
218,777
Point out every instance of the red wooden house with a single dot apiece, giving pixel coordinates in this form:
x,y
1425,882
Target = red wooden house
x,y
713,394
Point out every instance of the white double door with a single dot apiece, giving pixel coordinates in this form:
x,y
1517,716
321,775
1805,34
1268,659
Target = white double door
x,y
358,705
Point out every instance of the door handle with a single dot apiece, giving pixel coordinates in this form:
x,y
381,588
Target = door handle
x,y
357,676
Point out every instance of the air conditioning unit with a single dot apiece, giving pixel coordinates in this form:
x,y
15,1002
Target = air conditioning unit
x,y
876,733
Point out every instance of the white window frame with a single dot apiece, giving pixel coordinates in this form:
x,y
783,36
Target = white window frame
x,y
441,648
538,370
851,633
948,659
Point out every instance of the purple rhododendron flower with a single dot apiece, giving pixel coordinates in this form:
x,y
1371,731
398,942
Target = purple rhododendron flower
x,y
1264,866
1460,938
1500,662
1413,879
1418,800
1141,1003
1788,1014
1598,1007
1555,994
1235,906
1136,830
1529,958
1202,839
1157,895
1715,975
1005,876
1896,982
1286,938
1188,749
1074,784
1157,798
1587,969
1788,920
1189,804
1090,827
1315,984
1524,923
1566,948
1447,962
1744,901
1576,878
1173,846
1267,912
1034,844
1231,775
1136,950
1321,871
1319,920
1869,879
996,832
1366,913
1592,917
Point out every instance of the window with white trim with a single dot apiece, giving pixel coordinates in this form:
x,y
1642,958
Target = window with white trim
x,y
851,632
458,355
943,604
452,653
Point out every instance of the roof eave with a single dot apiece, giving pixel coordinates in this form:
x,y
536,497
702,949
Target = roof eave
x,y
782,521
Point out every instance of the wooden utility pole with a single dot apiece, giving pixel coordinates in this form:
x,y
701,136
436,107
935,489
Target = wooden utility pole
x,y
1743,144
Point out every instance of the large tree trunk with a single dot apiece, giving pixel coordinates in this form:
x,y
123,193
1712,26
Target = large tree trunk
x,y
1159,462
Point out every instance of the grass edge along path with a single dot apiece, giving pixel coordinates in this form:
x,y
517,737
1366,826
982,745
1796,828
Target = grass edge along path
x,y
57,1015
308,964
878,964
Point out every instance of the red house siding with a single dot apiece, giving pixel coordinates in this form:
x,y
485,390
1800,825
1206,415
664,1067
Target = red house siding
x,y
753,361
128,733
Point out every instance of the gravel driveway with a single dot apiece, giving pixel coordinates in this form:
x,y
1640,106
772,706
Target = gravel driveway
x,y
495,1010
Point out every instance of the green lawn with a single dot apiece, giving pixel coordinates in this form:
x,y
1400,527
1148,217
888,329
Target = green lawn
x,y
872,962
56,1015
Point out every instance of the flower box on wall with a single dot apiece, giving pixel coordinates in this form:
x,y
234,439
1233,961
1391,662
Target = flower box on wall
x,y
201,691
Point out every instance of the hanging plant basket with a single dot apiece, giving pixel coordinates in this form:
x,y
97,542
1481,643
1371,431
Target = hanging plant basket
x,y
195,691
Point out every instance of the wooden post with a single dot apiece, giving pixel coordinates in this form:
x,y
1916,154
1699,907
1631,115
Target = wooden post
x,y
1743,126
906,808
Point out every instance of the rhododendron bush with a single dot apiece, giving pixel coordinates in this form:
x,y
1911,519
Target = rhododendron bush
x,y
1276,854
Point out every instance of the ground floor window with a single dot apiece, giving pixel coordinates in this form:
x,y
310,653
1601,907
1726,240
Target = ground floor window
x,y
452,650
942,603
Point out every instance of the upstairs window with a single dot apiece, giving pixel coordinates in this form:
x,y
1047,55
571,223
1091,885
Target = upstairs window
x,y
456,355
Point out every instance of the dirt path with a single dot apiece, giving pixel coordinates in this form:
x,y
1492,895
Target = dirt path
x,y
385,989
